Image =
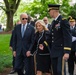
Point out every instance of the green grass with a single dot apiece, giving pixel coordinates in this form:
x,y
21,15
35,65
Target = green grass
x,y
5,52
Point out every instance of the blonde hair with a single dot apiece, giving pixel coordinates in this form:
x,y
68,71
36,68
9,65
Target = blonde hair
x,y
41,23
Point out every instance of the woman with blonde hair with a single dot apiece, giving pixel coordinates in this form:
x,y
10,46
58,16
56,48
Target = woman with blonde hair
x,y
41,47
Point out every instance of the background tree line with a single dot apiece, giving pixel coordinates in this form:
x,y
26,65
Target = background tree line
x,y
13,8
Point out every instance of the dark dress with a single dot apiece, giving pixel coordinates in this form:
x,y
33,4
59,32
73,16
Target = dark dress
x,y
43,56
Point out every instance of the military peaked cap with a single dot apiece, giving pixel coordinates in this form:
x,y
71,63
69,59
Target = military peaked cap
x,y
53,6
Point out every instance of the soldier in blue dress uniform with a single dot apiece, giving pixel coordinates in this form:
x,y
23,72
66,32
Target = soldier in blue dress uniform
x,y
61,40
72,55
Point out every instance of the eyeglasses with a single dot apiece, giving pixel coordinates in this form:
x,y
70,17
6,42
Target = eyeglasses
x,y
24,18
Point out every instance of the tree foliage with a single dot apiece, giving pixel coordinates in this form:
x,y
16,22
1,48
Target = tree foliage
x,y
37,7
65,8
73,12
40,7
10,8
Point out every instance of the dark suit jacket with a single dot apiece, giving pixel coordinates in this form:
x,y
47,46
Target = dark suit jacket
x,y
11,39
23,43
45,37
61,37
49,26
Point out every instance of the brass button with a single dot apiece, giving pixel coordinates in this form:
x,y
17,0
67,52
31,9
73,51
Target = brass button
x,y
52,33
52,29
52,37
61,45
52,41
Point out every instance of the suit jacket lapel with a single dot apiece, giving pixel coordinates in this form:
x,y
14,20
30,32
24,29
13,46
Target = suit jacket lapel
x,y
59,18
52,24
20,30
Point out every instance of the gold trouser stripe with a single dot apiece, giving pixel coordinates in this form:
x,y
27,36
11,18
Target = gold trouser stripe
x,y
35,64
45,43
63,66
67,48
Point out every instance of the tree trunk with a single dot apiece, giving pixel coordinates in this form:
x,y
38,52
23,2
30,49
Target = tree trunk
x,y
9,21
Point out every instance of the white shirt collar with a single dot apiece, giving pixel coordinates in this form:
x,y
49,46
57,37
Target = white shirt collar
x,y
72,26
25,26
46,25
57,17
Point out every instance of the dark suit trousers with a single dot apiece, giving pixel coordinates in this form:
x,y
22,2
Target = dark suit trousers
x,y
13,63
57,66
71,62
32,66
22,62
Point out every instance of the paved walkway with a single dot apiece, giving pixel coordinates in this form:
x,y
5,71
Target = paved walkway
x,y
66,70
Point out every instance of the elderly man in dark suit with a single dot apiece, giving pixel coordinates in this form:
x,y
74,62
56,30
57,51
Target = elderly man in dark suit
x,y
61,40
45,19
22,43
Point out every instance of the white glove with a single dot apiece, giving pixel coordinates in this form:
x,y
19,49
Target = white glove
x,y
73,38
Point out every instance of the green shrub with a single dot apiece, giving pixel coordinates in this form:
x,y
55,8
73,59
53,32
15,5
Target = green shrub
x,y
7,61
1,69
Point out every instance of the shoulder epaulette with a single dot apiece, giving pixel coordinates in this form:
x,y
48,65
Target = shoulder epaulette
x,y
63,18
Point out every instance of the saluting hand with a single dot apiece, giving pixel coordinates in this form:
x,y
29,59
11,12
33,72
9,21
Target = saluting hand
x,y
66,56
41,46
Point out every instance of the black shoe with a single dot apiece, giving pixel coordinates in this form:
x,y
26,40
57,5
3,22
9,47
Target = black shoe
x,y
12,71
